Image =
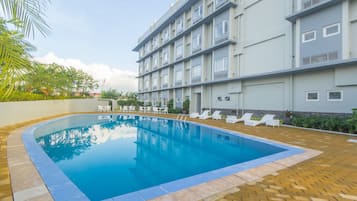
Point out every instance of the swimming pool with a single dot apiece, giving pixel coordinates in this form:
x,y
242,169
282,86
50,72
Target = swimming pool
x,y
99,157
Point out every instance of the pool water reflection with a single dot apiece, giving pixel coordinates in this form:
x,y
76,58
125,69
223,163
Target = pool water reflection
x,y
107,156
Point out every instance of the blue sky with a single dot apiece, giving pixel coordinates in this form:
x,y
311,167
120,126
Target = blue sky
x,y
97,32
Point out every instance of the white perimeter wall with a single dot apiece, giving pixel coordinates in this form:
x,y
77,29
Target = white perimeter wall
x,y
16,112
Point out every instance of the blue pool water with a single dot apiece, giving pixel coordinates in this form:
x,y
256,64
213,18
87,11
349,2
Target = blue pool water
x,y
107,156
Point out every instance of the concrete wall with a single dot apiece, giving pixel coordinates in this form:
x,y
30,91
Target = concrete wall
x,y
266,37
353,28
16,112
268,94
322,82
316,22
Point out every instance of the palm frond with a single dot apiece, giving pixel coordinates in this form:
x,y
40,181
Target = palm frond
x,y
29,12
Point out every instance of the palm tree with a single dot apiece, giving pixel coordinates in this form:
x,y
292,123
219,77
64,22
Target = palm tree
x,y
26,16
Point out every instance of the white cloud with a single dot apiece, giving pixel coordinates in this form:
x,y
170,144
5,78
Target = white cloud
x,y
107,76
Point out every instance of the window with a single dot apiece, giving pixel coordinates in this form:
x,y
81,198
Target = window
x,y
331,30
178,76
309,3
218,3
179,51
155,42
312,96
179,25
140,69
165,35
197,13
165,79
165,56
221,65
146,84
147,48
154,82
147,65
155,61
196,42
308,36
334,96
221,30
196,71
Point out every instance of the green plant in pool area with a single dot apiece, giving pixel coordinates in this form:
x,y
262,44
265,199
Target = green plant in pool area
x,y
186,106
339,124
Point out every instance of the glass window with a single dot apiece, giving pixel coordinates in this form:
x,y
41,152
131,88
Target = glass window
x,y
308,36
146,84
196,42
309,3
221,65
312,96
334,96
221,30
154,82
155,43
196,71
165,79
179,25
331,30
219,3
147,65
197,13
155,61
165,35
179,51
147,48
178,76
165,56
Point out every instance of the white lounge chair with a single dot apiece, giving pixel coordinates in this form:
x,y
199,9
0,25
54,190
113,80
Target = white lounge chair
x,y
141,108
107,108
165,110
217,115
132,108
155,109
148,109
100,108
233,119
125,108
264,120
194,115
205,115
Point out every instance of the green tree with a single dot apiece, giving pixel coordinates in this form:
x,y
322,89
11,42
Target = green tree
x,y
57,80
26,16
110,93
29,15
14,58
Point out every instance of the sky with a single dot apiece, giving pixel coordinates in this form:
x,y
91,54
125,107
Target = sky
x,y
98,36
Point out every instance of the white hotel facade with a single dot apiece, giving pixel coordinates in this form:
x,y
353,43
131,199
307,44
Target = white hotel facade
x,y
252,55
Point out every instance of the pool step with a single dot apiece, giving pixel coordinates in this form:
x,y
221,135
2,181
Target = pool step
x,y
181,117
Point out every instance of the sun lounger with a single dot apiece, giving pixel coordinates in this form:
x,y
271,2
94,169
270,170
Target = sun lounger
x,y
233,119
204,115
266,118
194,115
217,115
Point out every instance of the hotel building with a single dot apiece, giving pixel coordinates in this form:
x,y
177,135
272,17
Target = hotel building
x,y
252,55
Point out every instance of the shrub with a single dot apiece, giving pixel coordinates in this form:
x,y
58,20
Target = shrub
x,y
186,106
326,123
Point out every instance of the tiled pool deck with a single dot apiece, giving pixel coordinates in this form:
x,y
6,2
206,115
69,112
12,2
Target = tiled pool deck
x,y
329,176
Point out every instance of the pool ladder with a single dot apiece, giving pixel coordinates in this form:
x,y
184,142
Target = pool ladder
x,y
181,117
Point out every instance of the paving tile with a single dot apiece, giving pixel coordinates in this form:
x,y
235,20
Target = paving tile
x,y
349,197
329,176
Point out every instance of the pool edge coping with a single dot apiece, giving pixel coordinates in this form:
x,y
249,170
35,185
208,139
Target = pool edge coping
x,y
223,183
